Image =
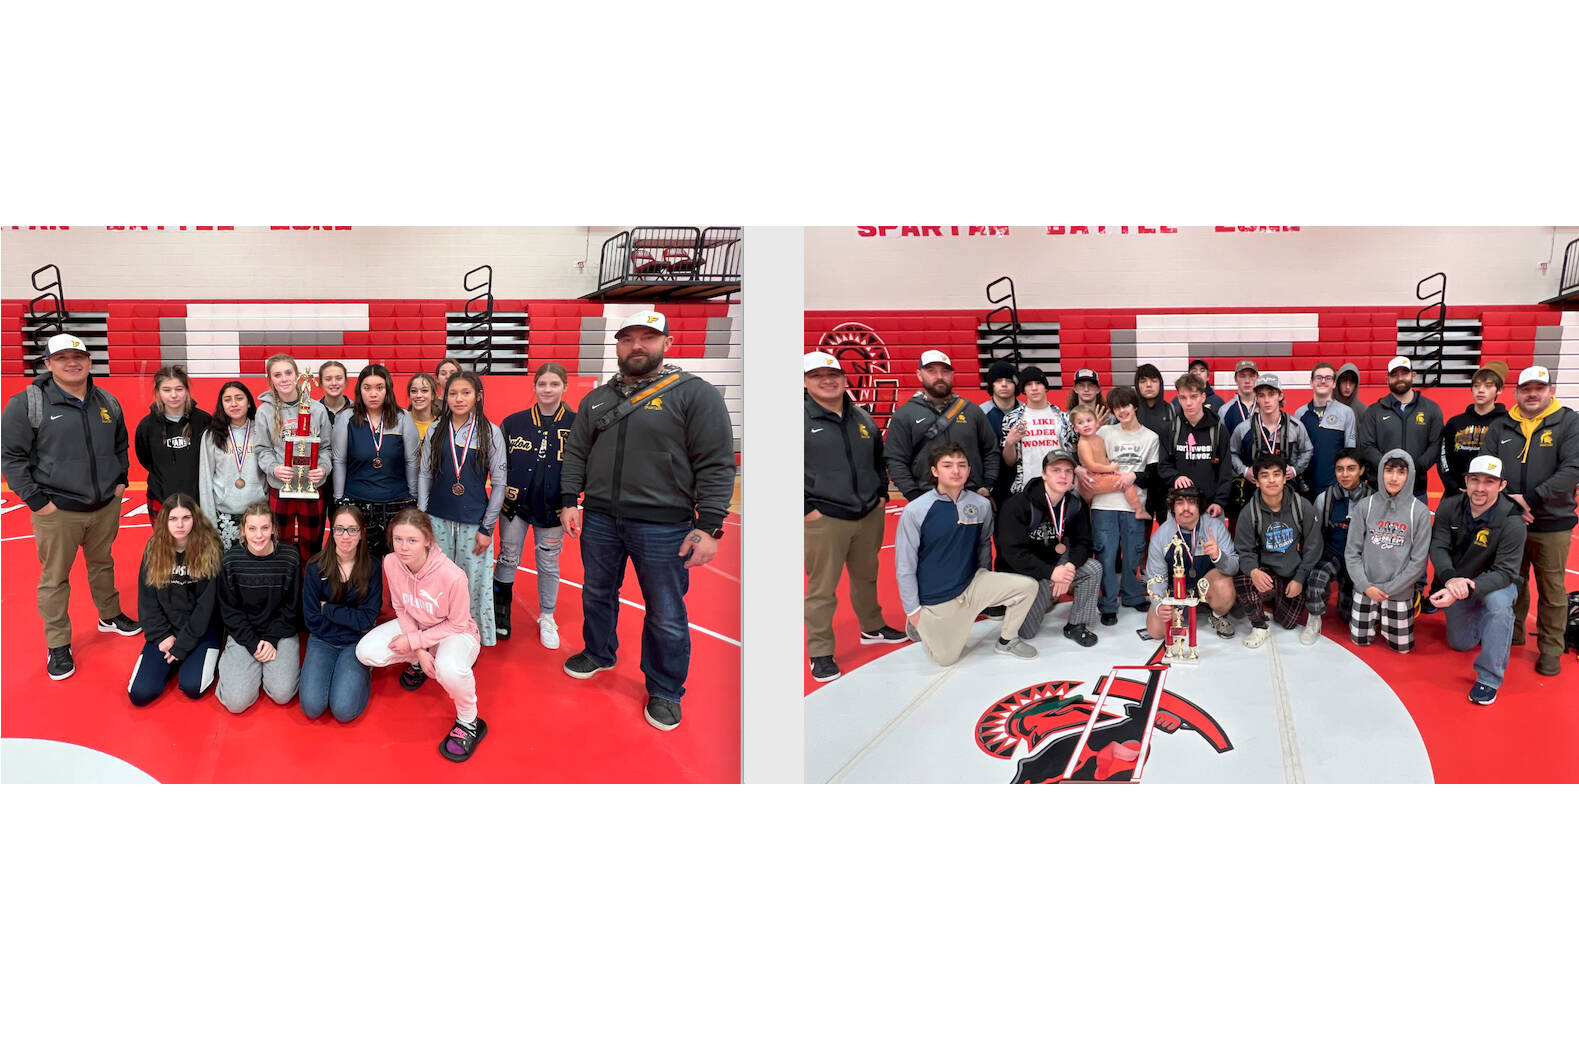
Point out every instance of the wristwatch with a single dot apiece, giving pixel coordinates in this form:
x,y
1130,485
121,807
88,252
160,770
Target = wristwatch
x,y
716,534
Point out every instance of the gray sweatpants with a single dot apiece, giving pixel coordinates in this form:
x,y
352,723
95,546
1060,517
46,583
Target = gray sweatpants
x,y
240,674
512,539
1087,586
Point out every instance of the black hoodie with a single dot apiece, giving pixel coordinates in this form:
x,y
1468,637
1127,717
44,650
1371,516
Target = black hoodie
x,y
1025,532
183,607
169,451
1461,439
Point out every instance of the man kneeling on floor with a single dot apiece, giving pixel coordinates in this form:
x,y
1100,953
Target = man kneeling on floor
x,y
1212,558
1477,543
1279,541
943,559
1389,540
1045,534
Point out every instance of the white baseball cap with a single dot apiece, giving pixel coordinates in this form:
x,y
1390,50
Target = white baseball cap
x,y
929,357
1399,362
1532,375
650,319
818,360
1485,465
65,342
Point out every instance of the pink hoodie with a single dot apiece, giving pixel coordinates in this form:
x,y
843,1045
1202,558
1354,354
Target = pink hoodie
x,y
433,603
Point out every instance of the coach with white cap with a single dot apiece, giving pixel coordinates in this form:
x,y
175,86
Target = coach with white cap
x,y
1538,443
1476,544
1401,419
653,449
846,494
933,417
65,457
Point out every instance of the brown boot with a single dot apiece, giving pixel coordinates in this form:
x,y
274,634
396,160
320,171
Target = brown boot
x,y
1549,664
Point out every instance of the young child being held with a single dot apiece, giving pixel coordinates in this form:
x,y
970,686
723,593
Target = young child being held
x,y
1092,450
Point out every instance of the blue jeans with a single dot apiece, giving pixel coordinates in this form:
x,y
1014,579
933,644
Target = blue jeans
x,y
1112,531
653,548
1488,621
333,679
194,673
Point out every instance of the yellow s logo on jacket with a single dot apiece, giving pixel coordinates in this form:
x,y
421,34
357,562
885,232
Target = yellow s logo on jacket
x,y
1483,537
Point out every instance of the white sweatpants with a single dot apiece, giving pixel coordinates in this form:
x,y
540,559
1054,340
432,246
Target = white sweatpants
x,y
453,659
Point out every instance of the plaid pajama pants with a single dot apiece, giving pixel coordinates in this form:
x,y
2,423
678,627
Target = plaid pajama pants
x,y
1285,609
1320,581
298,522
1396,619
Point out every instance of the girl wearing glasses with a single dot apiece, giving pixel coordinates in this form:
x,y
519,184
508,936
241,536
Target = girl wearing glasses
x,y
342,591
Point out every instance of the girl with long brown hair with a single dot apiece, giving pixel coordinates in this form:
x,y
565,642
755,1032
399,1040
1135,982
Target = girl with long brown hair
x,y
300,521
260,602
341,593
375,456
167,439
442,373
432,630
420,401
229,478
462,456
177,590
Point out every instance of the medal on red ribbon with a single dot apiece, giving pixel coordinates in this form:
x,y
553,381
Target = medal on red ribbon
x,y
1057,516
459,489
240,453
378,443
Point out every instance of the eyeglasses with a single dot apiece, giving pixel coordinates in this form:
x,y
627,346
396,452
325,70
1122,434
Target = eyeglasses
x,y
1329,377
347,531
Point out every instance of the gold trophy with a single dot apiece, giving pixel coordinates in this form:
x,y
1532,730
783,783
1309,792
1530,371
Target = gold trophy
x,y
1180,634
301,449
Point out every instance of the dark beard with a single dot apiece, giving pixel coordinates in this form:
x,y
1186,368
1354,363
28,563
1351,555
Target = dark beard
x,y
932,392
655,364
1399,392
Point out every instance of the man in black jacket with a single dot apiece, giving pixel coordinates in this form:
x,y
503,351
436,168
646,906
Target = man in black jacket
x,y
1538,444
1044,533
1194,449
1477,541
846,498
65,457
1154,412
654,449
1401,418
1462,435
933,417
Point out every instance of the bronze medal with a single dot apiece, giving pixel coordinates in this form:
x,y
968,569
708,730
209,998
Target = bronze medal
x,y
241,484
458,490
378,462
1060,548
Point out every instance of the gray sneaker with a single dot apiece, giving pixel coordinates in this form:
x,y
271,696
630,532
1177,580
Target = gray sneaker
x,y
1223,627
1016,647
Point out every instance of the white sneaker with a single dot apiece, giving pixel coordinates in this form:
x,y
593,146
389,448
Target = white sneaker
x,y
1312,631
1258,637
548,632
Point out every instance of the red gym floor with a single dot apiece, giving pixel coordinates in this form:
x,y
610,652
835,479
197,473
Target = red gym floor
x,y
543,726
1531,733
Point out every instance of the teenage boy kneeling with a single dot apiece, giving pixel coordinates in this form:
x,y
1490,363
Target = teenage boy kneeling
x,y
943,559
1477,543
1279,541
1389,540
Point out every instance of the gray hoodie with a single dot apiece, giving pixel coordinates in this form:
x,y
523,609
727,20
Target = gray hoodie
x,y
1389,537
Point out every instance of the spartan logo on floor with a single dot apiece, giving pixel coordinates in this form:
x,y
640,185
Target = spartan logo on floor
x,y
1048,720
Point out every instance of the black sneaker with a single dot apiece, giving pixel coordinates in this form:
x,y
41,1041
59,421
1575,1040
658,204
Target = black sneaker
x,y
119,624
413,677
1482,694
995,612
1110,618
824,669
581,666
1078,632
662,713
885,635
60,664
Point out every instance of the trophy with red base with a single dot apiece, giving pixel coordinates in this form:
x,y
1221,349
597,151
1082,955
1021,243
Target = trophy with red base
x,y
1179,636
301,449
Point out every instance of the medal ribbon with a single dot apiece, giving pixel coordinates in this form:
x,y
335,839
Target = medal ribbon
x,y
1058,516
1270,437
378,437
471,429
240,452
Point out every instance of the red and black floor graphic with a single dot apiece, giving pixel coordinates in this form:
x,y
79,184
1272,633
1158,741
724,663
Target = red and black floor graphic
x,y
1330,712
543,726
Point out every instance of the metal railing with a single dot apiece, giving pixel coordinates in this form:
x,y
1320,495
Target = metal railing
x,y
1431,325
50,322
670,254
1002,324
477,339
719,251
1569,282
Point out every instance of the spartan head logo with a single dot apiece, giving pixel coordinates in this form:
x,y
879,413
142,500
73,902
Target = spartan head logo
x,y
1047,720
864,358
